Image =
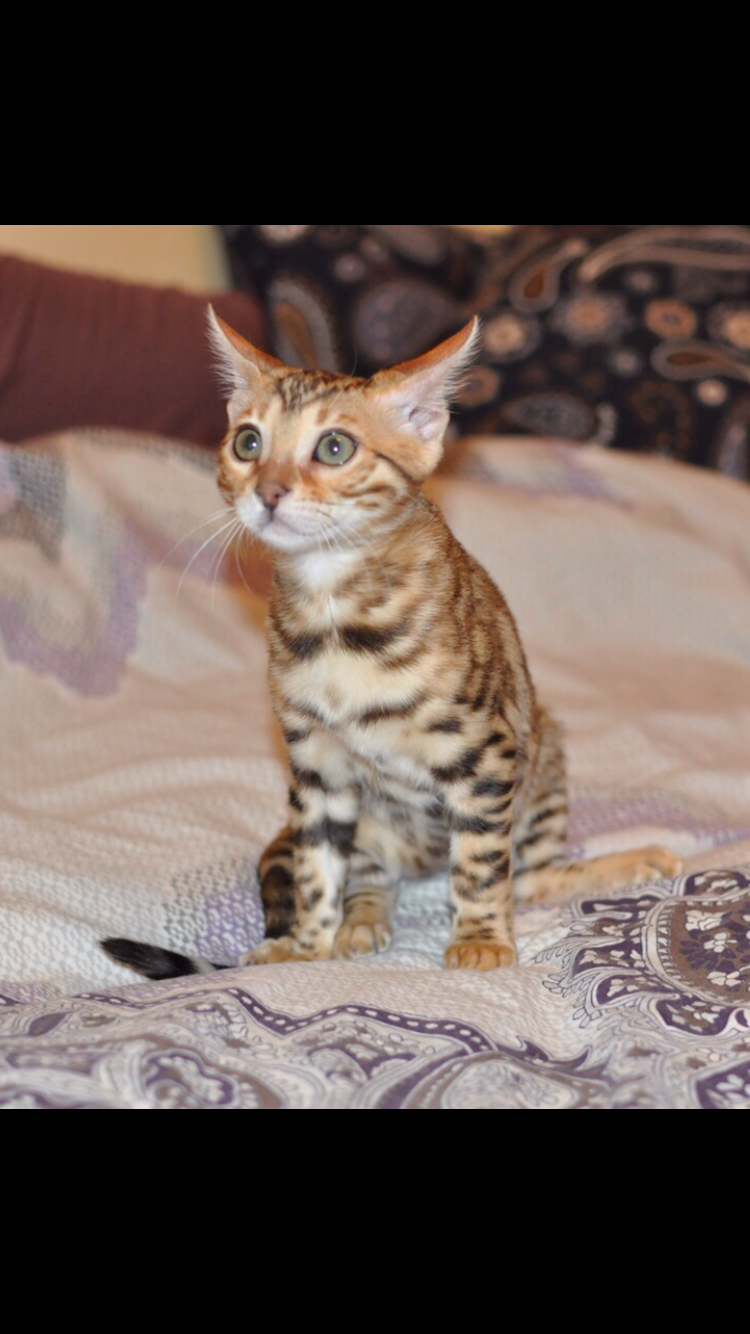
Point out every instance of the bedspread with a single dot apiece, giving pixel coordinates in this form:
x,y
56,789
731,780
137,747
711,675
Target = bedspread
x,y
141,774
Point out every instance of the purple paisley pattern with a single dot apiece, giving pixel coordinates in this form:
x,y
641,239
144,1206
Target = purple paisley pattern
x,y
655,993
642,338
354,297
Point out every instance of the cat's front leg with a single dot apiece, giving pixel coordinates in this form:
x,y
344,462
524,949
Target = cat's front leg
x,y
323,816
480,809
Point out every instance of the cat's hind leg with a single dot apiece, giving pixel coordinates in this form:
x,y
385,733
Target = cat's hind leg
x,y
540,834
615,870
541,869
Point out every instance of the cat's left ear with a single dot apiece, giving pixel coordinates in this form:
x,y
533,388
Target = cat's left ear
x,y
417,394
241,365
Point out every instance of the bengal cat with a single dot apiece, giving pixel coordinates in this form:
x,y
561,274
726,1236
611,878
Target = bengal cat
x,y
415,738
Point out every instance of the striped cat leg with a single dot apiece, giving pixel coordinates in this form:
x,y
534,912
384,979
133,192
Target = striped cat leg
x,y
541,869
276,876
540,838
368,900
370,896
481,894
380,857
395,841
368,908
616,870
323,820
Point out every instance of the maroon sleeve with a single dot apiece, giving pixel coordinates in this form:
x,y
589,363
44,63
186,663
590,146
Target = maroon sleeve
x,y
84,351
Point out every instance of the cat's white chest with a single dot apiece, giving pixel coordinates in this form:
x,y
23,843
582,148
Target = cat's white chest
x,y
321,572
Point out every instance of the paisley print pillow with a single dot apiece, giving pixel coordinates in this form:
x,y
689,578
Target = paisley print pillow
x,y
353,298
634,336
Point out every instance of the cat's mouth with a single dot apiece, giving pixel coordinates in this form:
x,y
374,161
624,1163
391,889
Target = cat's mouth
x,y
300,531
264,523
278,522
278,532
275,518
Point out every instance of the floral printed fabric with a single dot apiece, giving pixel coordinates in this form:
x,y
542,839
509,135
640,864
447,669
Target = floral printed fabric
x,y
140,776
635,336
641,1003
354,297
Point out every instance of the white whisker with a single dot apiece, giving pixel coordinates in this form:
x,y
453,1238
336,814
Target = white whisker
x,y
212,518
254,540
225,547
197,553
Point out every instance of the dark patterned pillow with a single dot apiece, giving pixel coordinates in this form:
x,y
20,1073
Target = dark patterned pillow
x,y
356,297
635,336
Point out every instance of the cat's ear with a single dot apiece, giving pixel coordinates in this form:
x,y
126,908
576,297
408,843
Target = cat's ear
x,y
241,365
417,395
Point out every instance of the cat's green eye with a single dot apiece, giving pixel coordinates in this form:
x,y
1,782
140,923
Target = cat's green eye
x,y
247,444
334,448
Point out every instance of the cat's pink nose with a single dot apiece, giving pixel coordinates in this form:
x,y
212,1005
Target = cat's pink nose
x,y
271,493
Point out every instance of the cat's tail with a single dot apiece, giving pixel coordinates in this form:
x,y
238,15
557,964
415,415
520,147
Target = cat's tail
x,y
155,963
276,875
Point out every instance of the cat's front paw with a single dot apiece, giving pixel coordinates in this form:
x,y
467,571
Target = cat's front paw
x,y
356,939
479,956
284,950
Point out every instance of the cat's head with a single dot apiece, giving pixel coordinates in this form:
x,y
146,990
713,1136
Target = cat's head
x,y
318,461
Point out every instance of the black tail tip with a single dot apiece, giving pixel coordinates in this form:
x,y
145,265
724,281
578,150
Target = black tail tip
x,y
149,960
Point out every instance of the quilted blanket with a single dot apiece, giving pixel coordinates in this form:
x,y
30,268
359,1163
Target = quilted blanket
x,y
141,774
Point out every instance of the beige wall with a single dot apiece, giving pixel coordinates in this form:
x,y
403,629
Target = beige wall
x,y
188,254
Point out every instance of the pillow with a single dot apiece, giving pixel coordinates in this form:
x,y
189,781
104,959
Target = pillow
x,y
632,335
356,297
83,351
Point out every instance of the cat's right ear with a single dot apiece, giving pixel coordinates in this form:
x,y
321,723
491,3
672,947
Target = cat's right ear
x,y
241,365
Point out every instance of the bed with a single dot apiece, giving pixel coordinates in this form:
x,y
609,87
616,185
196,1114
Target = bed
x,y
142,774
